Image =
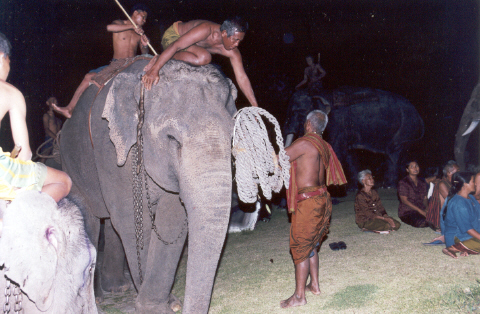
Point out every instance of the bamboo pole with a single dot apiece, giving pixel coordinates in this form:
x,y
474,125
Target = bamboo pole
x,y
135,25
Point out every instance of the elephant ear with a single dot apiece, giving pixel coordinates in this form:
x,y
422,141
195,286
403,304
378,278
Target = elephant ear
x,y
29,246
231,108
121,112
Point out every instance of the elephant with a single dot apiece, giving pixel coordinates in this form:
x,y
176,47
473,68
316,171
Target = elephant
x,y
45,250
187,176
360,118
468,122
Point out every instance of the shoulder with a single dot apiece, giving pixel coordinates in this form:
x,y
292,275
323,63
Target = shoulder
x,y
119,22
10,94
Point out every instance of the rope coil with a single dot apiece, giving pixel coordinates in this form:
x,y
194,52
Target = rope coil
x,y
255,158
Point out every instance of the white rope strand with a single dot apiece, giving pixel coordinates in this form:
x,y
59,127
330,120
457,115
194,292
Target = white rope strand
x,y
255,158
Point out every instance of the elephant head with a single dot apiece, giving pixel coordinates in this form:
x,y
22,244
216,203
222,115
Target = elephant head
x,y
468,122
44,250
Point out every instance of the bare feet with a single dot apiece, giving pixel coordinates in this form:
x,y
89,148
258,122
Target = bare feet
x,y
293,301
314,290
446,251
62,110
441,238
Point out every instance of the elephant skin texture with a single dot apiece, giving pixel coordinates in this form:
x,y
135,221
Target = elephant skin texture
x,y
187,156
44,248
360,118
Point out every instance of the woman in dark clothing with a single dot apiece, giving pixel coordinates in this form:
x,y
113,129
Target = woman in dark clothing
x,y
412,192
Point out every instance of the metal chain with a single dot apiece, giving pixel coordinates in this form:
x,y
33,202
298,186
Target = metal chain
x,y
17,307
7,293
137,207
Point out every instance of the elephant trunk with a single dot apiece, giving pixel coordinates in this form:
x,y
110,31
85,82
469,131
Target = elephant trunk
x,y
206,195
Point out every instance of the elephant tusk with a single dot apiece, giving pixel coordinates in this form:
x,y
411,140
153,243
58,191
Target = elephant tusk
x,y
472,127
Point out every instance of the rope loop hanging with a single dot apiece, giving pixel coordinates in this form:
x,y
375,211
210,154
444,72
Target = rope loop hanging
x,y
255,159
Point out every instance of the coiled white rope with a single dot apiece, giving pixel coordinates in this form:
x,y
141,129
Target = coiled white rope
x,y
255,158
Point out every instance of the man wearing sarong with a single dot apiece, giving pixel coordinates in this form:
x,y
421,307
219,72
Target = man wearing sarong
x,y
313,162
126,39
195,41
21,173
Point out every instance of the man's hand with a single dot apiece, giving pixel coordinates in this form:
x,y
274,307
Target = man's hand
x,y
390,222
144,40
150,78
139,31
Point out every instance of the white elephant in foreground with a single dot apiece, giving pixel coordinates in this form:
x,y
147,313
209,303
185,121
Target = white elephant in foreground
x,y
45,251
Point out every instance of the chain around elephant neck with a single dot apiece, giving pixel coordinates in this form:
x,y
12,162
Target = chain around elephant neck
x,y
255,158
17,307
138,168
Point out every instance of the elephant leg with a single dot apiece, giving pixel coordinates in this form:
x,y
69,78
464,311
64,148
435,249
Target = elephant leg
x,y
154,295
113,278
392,170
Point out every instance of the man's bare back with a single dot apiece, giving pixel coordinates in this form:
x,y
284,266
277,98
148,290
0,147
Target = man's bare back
x,y
310,166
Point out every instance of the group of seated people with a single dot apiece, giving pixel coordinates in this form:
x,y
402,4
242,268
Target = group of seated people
x,y
451,209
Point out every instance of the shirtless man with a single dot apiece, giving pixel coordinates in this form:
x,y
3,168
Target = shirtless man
x,y
313,74
126,39
194,42
310,204
21,172
51,123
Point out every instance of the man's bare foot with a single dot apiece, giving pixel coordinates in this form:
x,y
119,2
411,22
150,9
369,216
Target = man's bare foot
x,y
449,253
314,290
441,238
292,301
62,110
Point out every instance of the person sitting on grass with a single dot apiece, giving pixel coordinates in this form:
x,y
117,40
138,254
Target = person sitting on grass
x,y
370,215
412,192
460,217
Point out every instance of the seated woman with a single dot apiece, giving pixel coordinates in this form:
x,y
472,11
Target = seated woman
x,y
412,192
460,217
370,215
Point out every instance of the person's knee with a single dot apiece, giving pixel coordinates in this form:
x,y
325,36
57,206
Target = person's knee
x,y
67,181
204,58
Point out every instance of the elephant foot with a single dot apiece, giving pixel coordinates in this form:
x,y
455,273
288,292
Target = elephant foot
x,y
121,284
174,303
99,298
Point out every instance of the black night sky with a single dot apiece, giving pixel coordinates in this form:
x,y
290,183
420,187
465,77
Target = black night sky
x,y
426,51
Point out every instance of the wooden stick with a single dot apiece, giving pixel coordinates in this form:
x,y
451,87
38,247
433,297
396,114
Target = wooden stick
x,y
134,25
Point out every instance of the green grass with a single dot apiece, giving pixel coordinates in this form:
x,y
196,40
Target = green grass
x,y
392,273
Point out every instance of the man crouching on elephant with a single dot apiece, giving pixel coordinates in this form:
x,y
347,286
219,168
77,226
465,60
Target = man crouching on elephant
x,y
22,173
195,41
309,202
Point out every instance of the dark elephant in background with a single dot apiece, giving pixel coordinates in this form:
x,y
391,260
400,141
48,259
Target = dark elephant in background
x,y
359,118
187,156
468,123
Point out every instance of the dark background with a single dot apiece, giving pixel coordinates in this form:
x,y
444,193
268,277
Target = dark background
x,y
426,51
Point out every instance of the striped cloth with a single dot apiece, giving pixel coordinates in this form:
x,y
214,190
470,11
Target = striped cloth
x,y
333,168
17,174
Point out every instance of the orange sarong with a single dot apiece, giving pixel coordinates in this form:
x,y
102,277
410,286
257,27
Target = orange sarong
x,y
333,168
310,223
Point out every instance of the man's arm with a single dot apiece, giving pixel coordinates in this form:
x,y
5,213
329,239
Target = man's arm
x,y
18,123
242,78
305,80
442,188
297,149
193,36
143,44
119,26
322,71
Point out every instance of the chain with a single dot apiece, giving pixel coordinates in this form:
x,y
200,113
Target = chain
x,y
137,207
17,308
8,293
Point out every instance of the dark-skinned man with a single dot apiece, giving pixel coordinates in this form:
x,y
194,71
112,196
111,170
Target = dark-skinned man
x,y
313,163
195,41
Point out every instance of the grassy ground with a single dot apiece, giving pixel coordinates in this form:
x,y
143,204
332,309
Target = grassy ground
x,y
377,273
